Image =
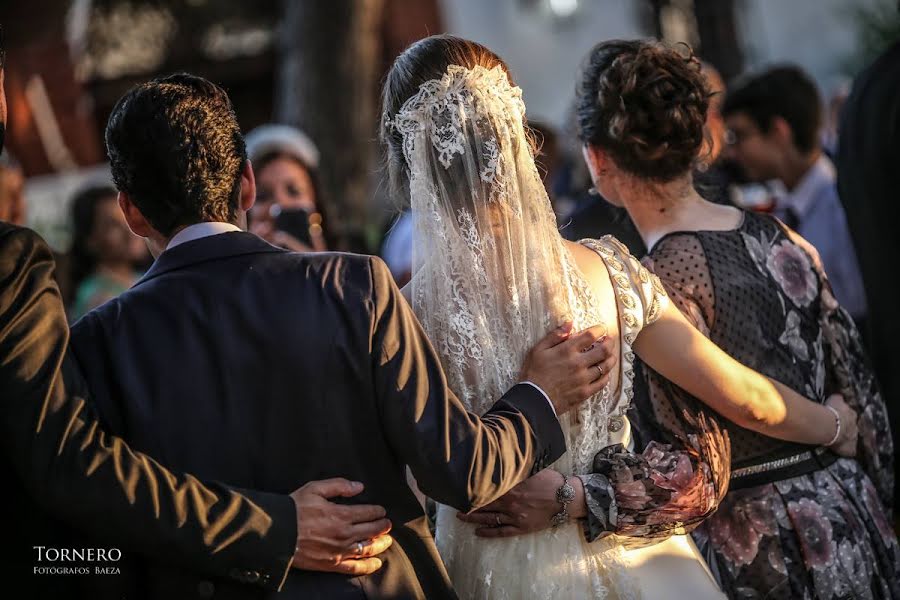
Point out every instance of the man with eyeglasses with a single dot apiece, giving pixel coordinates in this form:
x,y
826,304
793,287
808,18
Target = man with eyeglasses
x,y
774,120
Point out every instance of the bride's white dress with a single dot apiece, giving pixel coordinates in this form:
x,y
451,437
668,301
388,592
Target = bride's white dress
x,y
559,563
491,276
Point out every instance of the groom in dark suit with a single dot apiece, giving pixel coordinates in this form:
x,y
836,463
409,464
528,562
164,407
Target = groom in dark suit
x,y
265,369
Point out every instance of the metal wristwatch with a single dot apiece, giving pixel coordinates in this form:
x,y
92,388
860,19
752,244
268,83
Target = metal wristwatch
x,y
565,494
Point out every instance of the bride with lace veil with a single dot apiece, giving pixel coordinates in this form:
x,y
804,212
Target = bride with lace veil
x,y
492,274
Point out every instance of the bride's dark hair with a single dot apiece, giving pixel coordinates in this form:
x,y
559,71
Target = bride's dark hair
x,y
645,104
423,61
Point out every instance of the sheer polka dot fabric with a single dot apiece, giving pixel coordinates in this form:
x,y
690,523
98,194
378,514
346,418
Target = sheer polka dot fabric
x,y
727,288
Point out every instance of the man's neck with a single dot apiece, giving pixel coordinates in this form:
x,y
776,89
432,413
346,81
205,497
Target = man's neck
x,y
795,168
156,244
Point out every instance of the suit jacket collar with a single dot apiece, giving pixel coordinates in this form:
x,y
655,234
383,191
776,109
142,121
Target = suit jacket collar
x,y
214,247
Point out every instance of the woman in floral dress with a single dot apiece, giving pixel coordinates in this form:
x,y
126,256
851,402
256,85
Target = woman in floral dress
x,y
797,521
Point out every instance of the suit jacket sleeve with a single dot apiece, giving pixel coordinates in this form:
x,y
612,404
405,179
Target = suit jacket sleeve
x,y
458,458
55,441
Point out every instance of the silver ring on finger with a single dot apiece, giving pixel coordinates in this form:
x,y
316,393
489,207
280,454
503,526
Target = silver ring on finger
x,y
499,522
358,548
599,368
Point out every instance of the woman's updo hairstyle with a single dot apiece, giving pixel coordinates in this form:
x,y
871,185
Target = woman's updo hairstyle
x,y
423,61
645,104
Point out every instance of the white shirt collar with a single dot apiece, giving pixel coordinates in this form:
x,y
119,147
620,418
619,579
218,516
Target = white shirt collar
x,y
802,197
200,230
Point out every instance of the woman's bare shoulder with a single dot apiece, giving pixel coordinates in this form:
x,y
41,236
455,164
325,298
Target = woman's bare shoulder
x,y
590,263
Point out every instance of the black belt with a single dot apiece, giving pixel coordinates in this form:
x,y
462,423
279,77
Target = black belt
x,y
804,463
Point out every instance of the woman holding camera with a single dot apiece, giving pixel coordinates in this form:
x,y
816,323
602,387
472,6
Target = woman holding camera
x,y
288,210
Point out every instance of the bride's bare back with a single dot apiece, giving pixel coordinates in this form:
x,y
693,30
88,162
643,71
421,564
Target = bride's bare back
x,y
596,275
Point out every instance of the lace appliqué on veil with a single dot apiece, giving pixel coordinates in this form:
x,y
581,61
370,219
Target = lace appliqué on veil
x,y
441,106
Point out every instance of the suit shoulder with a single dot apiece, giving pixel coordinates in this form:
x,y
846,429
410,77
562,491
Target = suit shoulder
x,y
345,265
18,240
344,258
98,318
85,322
26,264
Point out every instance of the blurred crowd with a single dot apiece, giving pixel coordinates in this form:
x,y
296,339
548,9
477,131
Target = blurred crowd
x,y
771,144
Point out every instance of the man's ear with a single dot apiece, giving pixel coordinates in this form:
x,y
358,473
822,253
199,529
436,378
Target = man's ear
x,y
136,221
248,187
781,131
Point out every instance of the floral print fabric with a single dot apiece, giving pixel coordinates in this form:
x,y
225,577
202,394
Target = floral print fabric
x,y
654,494
823,535
759,292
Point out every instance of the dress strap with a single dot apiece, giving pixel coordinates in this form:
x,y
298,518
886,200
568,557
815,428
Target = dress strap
x,y
640,299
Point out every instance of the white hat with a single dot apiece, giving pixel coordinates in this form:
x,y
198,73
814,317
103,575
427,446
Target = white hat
x,y
267,139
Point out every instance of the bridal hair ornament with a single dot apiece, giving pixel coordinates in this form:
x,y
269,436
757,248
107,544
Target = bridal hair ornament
x,y
441,105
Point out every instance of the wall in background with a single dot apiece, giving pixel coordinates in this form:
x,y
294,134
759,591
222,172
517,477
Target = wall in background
x,y
544,49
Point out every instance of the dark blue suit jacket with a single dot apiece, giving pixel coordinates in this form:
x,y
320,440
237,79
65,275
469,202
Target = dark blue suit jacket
x,y
265,369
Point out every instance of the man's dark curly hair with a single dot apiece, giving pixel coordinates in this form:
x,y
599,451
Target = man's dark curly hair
x,y
176,149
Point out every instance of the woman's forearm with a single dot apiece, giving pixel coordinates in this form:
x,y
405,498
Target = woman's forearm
x,y
680,353
789,415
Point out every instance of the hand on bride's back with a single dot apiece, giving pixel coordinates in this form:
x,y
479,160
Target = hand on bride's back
x,y
570,367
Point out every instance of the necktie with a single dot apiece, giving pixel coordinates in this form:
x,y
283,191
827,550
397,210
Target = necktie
x,y
791,219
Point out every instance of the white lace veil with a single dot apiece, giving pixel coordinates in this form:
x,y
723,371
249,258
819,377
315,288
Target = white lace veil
x,y
491,273
491,276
